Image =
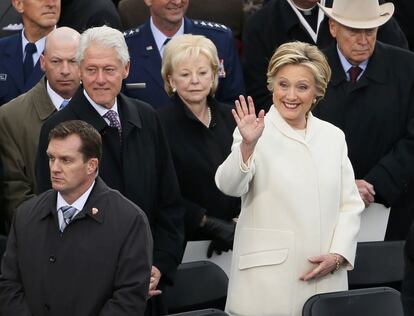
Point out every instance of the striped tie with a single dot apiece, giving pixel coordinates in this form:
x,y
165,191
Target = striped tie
x,y
67,212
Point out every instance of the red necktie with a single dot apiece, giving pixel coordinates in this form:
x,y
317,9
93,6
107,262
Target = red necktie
x,y
354,72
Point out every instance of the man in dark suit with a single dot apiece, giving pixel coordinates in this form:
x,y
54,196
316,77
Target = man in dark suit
x,y
22,118
282,21
20,53
146,44
370,97
10,20
80,249
81,14
136,158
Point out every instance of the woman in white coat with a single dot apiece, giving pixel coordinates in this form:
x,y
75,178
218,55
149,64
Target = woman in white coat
x,y
297,232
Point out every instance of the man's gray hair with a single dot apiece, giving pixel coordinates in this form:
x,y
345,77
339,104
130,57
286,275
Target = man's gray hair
x,y
105,37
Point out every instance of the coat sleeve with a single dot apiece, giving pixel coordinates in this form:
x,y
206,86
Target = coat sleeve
x,y
12,296
392,175
345,236
132,276
17,185
42,161
231,178
168,227
232,85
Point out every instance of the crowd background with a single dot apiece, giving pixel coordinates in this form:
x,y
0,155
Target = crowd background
x,y
245,33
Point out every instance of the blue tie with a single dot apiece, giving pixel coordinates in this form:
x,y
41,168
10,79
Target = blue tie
x,y
63,104
68,212
30,49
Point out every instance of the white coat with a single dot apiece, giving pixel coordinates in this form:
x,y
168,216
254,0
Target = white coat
x,y
299,199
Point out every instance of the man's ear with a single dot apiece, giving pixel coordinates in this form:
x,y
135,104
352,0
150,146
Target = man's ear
x,y
93,165
332,27
18,5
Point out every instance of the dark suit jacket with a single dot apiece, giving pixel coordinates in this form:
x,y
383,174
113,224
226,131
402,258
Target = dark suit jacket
x,y
275,24
377,117
10,19
146,62
100,264
81,15
20,122
11,69
140,168
197,152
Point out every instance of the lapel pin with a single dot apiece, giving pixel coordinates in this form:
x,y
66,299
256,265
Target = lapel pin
x,y
94,211
3,77
148,47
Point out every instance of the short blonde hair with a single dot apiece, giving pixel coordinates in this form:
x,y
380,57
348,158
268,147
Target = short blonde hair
x,y
181,47
298,53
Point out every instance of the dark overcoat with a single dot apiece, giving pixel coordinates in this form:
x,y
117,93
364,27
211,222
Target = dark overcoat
x,y
275,24
99,265
197,152
139,166
377,117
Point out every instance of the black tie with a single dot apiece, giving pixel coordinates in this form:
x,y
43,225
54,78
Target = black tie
x,y
30,49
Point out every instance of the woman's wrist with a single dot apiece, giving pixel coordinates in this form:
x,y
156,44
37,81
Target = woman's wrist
x,y
339,260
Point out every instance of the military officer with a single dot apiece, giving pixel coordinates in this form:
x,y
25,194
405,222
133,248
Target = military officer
x,y
146,44
20,53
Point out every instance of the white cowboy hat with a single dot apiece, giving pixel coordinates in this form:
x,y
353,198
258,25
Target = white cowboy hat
x,y
359,14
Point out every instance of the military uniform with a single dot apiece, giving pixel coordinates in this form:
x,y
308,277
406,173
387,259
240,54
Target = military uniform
x,y
11,69
146,63
10,19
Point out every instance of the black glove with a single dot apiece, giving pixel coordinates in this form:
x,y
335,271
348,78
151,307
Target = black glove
x,y
221,232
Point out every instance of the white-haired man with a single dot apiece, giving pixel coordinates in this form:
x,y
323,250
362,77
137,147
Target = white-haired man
x,y
136,159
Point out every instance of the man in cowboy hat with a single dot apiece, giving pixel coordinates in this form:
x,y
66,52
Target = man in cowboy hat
x,y
281,21
370,97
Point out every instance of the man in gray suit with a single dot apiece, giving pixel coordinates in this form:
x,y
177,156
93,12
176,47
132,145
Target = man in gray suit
x,y
80,249
22,118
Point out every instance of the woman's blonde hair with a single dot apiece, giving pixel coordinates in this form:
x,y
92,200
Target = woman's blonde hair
x,y
182,47
298,53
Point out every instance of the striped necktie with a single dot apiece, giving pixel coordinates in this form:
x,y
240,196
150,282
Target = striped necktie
x,y
68,212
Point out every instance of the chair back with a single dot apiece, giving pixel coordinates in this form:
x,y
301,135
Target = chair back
x,y
380,301
203,312
198,285
377,263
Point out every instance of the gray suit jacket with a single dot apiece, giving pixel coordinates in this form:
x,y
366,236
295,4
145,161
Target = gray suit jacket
x,y
20,122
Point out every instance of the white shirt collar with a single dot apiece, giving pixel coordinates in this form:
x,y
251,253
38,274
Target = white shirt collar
x,y
78,204
160,37
346,65
56,98
40,45
101,109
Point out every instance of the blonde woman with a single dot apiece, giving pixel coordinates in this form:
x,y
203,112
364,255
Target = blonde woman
x,y
199,130
297,230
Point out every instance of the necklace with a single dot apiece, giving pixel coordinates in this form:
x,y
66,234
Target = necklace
x,y
208,116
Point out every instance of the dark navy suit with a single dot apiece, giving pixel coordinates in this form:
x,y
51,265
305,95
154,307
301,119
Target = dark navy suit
x,y
146,62
11,69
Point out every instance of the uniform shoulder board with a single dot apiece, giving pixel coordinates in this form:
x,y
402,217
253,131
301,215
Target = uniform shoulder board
x,y
210,25
131,32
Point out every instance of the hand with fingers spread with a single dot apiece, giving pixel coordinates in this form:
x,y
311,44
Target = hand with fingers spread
x,y
325,264
366,191
250,126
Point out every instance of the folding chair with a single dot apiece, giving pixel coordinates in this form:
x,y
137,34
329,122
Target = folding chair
x,y
198,285
380,301
203,312
378,263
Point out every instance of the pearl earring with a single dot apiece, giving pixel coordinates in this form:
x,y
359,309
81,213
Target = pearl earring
x,y
174,90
